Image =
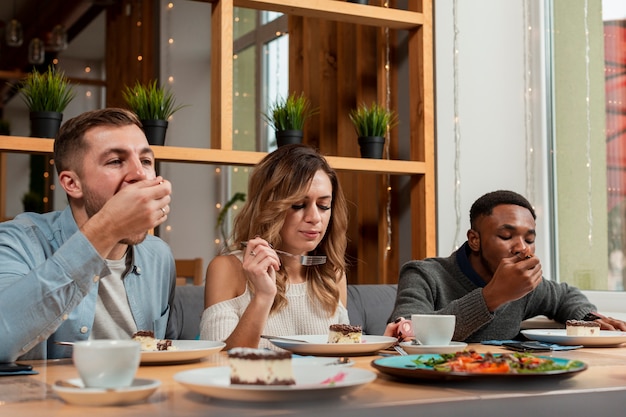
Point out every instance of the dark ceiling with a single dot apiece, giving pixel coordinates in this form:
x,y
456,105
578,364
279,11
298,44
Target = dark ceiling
x,y
38,18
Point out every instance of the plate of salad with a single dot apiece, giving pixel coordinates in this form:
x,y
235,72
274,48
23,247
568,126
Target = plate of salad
x,y
469,364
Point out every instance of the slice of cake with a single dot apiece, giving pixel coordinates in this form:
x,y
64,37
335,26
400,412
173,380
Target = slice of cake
x,y
582,328
150,344
344,333
250,366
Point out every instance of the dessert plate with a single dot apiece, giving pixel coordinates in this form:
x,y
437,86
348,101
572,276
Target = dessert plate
x,y
606,338
186,351
312,382
138,391
322,361
412,366
453,347
318,345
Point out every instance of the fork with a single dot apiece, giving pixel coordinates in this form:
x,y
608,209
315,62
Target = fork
x,y
307,260
399,349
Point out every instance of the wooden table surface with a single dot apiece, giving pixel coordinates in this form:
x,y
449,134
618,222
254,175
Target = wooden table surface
x,y
600,390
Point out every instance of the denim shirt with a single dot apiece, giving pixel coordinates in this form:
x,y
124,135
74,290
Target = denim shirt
x,y
49,278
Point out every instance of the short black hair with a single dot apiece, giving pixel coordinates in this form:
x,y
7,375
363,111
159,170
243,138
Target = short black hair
x,y
484,205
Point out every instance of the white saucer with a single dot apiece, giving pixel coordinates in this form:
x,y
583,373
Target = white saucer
x,y
453,347
138,391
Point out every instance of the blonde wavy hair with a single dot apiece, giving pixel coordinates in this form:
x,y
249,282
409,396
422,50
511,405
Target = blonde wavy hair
x,y
279,181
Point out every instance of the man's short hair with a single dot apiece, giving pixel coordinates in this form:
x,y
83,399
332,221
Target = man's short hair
x,y
69,145
484,205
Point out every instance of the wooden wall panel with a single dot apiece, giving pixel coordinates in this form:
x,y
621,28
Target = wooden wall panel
x,y
338,66
132,30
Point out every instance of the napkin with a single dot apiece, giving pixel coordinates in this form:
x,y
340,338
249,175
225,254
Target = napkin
x,y
532,345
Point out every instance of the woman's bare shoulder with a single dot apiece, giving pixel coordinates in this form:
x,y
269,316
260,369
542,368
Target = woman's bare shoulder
x,y
227,261
225,279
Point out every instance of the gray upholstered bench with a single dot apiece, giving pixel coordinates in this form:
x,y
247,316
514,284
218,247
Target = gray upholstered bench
x,y
368,306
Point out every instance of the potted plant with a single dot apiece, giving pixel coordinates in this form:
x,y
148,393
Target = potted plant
x,y
153,105
46,95
371,124
287,117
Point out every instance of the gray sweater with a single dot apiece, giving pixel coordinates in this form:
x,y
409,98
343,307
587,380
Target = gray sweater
x,y
451,286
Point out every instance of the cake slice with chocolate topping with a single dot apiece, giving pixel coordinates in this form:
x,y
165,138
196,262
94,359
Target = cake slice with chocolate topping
x,y
344,333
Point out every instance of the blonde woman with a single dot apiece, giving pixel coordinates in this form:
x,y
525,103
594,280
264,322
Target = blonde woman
x,y
294,204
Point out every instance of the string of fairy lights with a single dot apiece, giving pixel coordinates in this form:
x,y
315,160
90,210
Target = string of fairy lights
x,y
588,121
528,100
528,114
457,128
388,138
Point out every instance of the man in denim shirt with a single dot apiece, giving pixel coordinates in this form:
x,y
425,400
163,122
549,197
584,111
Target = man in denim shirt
x,y
90,271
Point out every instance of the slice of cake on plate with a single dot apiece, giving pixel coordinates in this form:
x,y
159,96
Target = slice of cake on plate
x,y
344,333
250,366
582,328
150,344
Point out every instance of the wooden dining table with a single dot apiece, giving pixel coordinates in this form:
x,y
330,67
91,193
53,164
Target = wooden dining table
x,y
597,391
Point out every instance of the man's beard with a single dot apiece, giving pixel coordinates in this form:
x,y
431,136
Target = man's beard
x,y
93,204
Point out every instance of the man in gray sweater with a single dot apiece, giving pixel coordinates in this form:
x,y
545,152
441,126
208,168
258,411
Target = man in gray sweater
x,y
493,282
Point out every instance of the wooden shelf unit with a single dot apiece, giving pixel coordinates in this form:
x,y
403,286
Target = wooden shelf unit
x,y
421,164
19,144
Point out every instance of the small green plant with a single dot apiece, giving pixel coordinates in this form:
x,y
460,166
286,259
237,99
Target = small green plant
x,y
150,102
221,218
373,120
290,113
50,91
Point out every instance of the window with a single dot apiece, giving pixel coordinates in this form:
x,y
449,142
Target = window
x,y
614,19
260,75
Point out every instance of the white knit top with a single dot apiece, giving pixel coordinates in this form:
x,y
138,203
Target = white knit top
x,y
302,315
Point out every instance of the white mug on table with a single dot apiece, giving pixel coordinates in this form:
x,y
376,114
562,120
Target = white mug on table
x,y
107,363
433,329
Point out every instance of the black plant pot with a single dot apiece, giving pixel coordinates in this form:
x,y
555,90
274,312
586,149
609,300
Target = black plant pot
x,y
372,146
288,137
155,131
45,124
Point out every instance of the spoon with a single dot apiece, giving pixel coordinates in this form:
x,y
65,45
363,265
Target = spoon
x,y
68,384
64,343
287,339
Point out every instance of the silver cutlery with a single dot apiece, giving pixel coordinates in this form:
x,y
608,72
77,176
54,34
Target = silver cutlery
x,y
68,384
64,343
399,349
307,260
340,361
287,339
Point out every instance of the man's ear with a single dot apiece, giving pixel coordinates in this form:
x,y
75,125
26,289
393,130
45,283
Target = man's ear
x,y
70,182
473,240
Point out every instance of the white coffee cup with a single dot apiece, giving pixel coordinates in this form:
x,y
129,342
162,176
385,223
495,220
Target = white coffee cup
x,y
433,329
107,363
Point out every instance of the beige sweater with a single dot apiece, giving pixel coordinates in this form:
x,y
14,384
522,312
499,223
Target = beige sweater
x,y
302,315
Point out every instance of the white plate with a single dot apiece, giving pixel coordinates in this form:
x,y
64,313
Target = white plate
x,y
138,391
186,351
310,384
319,361
318,345
606,338
453,347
